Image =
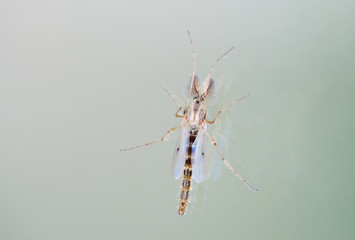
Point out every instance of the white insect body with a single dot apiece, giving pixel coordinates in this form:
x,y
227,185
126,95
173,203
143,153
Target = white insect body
x,y
190,153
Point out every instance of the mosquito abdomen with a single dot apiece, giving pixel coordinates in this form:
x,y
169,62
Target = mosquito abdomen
x,y
185,187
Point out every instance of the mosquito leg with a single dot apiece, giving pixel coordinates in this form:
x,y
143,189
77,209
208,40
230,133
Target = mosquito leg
x,y
172,96
178,115
155,141
214,64
229,165
177,103
193,69
226,108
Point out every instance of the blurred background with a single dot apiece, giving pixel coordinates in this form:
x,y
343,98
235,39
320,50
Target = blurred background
x,y
81,79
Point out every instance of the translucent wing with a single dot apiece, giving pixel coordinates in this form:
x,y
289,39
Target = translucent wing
x,y
180,151
199,157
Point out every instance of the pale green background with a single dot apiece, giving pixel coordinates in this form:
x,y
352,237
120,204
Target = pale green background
x,y
81,79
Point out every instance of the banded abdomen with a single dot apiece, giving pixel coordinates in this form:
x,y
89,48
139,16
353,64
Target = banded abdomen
x,y
187,173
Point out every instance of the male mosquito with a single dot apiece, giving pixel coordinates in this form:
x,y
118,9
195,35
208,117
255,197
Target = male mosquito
x,y
190,152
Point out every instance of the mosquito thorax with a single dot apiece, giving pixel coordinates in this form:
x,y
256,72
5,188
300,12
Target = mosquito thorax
x,y
196,111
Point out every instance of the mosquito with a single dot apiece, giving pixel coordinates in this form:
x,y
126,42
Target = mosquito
x,y
190,152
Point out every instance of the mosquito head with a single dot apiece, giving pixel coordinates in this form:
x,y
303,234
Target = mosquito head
x,y
199,100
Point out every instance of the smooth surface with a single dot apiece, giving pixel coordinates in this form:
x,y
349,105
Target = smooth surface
x,y
81,79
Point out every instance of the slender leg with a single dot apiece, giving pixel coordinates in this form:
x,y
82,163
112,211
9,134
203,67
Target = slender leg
x,y
178,115
214,64
155,141
172,96
226,108
177,103
193,70
229,165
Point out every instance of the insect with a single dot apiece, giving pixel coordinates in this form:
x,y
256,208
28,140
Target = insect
x,y
190,152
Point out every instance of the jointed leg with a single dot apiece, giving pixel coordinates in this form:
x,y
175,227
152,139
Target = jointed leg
x,y
155,141
177,103
178,115
228,164
226,108
193,70
214,64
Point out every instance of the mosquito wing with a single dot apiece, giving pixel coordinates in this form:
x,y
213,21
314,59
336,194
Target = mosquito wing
x,y
180,151
199,157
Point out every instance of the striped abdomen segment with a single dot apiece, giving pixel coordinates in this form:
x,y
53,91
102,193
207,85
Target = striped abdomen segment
x,y
187,174
185,187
